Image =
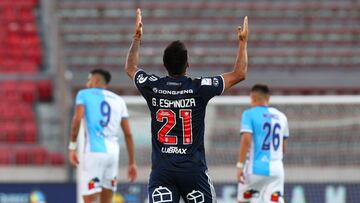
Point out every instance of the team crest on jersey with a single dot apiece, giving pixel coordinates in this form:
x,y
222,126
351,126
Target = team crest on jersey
x,y
275,196
141,79
250,194
94,183
161,195
195,197
206,81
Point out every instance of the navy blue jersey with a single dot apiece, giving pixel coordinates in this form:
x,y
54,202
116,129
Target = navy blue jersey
x,y
177,107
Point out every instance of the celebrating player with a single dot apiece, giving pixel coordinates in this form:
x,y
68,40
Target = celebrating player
x,y
177,104
104,112
264,132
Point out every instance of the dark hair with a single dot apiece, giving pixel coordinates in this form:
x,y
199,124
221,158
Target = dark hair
x,y
104,73
175,58
262,88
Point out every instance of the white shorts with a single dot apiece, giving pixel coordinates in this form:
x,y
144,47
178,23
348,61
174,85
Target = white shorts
x,y
261,189
97,171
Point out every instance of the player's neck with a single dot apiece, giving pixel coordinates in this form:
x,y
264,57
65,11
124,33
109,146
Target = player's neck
x,y
99,87
176,76
261,104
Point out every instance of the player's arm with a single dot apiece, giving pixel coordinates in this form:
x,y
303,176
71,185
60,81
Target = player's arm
x,y
132,59
132,169
75,126
285,143
244,148
241,63
286,135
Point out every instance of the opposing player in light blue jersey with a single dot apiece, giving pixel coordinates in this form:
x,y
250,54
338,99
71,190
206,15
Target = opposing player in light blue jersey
x,y
264,132
103,113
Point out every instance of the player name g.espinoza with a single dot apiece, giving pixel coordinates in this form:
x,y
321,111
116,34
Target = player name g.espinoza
x,y
181,103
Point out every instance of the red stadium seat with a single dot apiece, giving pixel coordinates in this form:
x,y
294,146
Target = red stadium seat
x,y
25,113
39,155
44,90
8,111
2,133
27,90
21,53
28,67
9,13
14,40
26,15
9,87
30,132
12,132
29,28
56,159
22,156
5,155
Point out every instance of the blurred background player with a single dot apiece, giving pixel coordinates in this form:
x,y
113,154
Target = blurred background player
x,y
178,104
264,132
103,112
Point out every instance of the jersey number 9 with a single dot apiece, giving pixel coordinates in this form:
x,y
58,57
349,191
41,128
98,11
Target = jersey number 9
x,y
105,111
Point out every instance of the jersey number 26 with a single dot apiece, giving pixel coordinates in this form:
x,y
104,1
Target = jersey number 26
x,y
272,136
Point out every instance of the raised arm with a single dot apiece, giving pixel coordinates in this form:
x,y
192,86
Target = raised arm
x,y
240,67
132,59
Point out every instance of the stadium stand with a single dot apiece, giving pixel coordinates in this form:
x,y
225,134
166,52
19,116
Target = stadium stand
x,y
21,57
295,46
288,36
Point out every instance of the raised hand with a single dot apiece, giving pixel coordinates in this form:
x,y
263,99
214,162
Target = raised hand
x,y
138,25
243,31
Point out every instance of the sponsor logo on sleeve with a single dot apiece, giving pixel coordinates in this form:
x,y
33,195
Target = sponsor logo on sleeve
x,y
215,82
206,81
153,78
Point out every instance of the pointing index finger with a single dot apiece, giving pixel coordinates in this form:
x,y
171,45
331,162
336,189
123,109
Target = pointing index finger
x,y
138,14
246,23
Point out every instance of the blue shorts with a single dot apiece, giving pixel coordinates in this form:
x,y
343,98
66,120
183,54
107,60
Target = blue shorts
x,y
169,186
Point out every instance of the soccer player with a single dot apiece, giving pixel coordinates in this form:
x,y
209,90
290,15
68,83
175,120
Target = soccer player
x,y
264,132
177,104
103,112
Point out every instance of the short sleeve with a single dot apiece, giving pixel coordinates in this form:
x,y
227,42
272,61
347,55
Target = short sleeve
x,y
246,124
142,79
211,86
286,129
124,110
80,98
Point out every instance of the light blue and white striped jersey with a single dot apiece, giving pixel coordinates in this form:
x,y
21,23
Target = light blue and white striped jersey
x,y
103,113
268,127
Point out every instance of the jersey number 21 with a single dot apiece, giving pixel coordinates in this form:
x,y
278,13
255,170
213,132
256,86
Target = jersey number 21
x,y
170,117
